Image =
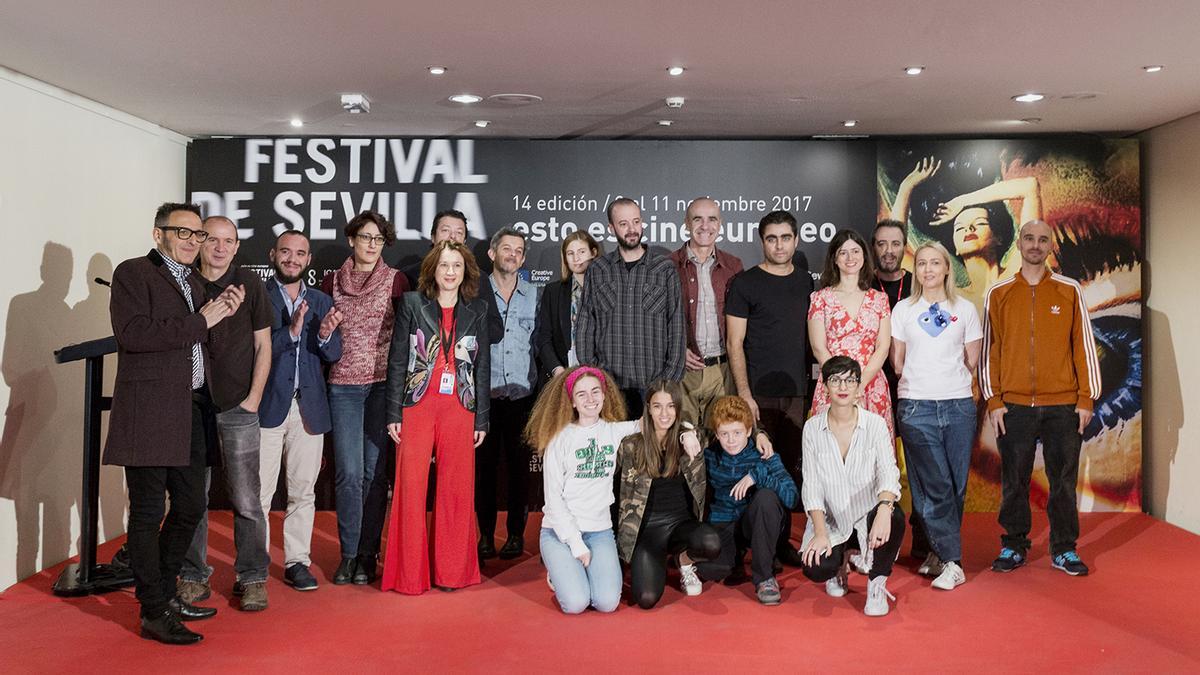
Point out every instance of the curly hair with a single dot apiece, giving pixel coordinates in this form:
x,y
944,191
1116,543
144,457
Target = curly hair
x,y
730,409
427,281
554,410
661,459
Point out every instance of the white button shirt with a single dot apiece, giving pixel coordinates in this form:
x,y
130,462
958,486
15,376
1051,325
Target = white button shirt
x,y
847,491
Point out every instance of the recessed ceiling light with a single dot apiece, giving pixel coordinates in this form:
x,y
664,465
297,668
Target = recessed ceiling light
x,y
297,122
437,70
850,123
482,123
914,70
665,123
1152,69
1028,98
675,70
466,98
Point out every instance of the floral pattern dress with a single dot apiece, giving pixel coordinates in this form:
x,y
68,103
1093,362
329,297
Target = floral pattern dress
x,y
854,337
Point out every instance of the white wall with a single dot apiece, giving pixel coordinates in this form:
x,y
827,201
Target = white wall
x,y
79,183
1170,178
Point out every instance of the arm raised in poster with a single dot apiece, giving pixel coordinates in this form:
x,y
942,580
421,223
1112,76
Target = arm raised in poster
x,y
923,171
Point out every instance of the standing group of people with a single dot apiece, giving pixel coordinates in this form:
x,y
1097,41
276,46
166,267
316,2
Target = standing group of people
x,y
666,396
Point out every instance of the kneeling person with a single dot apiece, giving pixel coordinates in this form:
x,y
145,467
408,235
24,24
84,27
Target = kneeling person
x,y
751,497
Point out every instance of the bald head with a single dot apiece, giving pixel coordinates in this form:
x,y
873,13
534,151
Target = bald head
x,y
1035,241
703,220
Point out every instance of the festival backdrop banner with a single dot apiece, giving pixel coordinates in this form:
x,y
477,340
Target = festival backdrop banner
x,y
971,196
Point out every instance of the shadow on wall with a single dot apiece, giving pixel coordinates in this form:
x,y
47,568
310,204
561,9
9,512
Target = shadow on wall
x,y
41,443
1163,407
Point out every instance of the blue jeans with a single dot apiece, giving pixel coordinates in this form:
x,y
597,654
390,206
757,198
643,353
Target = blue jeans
x,y
938,436
360,465
576,586
238,430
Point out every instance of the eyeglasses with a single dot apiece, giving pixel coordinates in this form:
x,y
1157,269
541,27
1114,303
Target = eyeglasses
x,y
378,239
186,233
842,382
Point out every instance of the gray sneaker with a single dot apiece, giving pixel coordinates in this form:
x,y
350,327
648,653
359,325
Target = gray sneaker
x,y
768,592
192,591
254,596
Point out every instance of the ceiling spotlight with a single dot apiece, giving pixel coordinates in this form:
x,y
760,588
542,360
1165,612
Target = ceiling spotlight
x,y
914,70
675,70
297,122
437,70
1152,69
466,98
1028,98
482,123
665,123
850,123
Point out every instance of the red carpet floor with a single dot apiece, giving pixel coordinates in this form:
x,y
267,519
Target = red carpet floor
x,y
1136,612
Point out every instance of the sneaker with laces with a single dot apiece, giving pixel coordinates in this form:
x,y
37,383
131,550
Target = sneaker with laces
x,y
1070,563
877,597
836,587
298,577
1008,560
192,591
689,581
254,596
549,582
768,592
931,567
952,576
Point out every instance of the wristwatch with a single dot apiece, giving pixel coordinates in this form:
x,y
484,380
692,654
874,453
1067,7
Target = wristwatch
x,y
891,503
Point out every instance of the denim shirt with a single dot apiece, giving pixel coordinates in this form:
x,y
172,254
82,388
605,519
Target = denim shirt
x,y
512,358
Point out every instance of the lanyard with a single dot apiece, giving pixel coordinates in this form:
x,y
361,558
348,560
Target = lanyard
x,y
899,296
447,337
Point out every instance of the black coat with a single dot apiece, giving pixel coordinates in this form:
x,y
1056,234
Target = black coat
x,y
554,321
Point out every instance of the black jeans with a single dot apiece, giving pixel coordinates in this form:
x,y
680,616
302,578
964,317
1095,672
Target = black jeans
x,y
1057,426
633,403
157,545
884,556
659,537
508,419
758,529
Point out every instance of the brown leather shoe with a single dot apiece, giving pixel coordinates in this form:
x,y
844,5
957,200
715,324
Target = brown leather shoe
x,y
192,591
254,597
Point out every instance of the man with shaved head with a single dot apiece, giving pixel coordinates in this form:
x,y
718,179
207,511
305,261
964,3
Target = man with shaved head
x,y
704,275
240,360
1040,376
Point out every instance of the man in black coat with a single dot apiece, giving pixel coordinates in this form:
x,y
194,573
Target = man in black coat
x,y
160,407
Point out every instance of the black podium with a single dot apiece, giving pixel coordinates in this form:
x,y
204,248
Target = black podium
x,y
86,576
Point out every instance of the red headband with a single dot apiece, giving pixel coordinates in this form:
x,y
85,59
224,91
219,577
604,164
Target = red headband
x,y
583,371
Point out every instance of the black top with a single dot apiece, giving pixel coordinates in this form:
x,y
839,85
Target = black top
x,y
776,313
896,290
668,500
231,342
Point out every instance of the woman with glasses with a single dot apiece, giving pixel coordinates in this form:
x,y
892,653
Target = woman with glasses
x,y
560,306
936,339
849,318
365,290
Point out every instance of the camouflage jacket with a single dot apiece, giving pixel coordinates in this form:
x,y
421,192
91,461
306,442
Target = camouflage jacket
x,y
635,492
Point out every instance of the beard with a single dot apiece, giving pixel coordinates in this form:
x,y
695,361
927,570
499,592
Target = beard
x,y
625,243
284,277
889,268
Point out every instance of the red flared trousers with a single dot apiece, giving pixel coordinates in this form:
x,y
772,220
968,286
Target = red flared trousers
x,y
437,421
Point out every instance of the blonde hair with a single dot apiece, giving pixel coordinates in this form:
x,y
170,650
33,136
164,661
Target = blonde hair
x,y
947,284
553,410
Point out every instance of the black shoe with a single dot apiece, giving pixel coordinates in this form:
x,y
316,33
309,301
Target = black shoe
x,y
238,589
445,589
167,629
298,577
189,612
345,571
513,547
364,572
487,549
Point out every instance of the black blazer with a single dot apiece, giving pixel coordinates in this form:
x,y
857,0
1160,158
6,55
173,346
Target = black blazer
x,y
554,321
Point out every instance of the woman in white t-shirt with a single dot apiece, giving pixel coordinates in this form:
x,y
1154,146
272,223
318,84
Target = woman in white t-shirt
x,y
577,427
936,338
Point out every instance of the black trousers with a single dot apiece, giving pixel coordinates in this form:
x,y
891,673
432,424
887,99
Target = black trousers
x,y
758,529
508,419
634,403
659,537
885,556
1057,426
157,544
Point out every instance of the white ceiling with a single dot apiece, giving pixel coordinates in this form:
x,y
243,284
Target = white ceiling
x,y
754,69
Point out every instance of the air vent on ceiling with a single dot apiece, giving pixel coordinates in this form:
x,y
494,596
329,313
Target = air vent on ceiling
x,y
514,100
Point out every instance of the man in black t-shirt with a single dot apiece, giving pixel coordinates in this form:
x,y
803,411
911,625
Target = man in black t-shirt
x,y
766,313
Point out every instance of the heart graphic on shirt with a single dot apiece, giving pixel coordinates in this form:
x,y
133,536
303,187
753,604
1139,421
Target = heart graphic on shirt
x,y
934,320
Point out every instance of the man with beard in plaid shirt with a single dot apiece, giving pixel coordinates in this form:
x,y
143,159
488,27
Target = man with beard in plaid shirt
x,y
631,316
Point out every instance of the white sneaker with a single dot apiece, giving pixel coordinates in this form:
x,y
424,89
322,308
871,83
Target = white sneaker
x,y
877,597
951,576
550,583
861,563
931,567
689,581
836,587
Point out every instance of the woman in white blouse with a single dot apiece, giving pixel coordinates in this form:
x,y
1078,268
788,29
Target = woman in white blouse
x,y
850,491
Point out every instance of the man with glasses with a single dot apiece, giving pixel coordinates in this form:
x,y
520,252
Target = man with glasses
x,y
239,351
704,275
161,411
